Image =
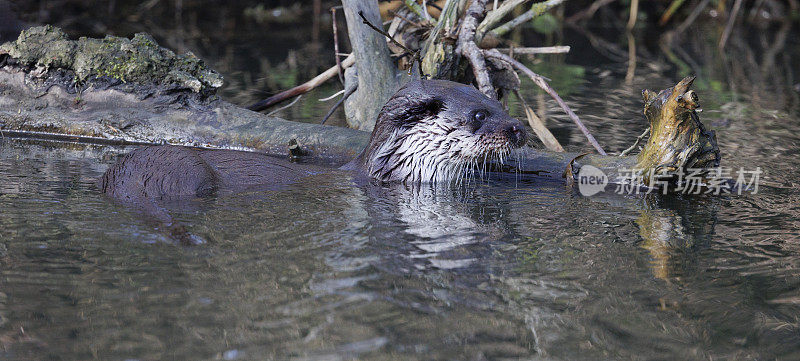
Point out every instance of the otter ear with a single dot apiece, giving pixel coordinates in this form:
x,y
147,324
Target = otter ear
x,y
410,109
648,95
424,108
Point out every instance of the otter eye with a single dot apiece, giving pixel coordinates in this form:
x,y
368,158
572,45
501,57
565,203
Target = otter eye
x,y
477,120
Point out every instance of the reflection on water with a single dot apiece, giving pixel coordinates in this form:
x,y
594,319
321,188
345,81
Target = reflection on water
x,y
330,269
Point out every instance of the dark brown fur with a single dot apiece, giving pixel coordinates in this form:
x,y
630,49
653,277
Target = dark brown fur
x,y
160,172
428,132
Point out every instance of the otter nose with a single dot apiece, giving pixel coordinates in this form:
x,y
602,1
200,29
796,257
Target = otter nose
x,y
516,134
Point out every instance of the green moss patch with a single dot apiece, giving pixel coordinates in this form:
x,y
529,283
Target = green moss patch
x,y
138,60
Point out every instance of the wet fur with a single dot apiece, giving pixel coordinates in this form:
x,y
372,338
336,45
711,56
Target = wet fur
x,y
426,133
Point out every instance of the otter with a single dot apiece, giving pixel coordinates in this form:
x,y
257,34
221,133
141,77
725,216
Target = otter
x,y
430,131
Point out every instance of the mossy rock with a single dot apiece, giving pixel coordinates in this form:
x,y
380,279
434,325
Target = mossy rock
x,y
139,60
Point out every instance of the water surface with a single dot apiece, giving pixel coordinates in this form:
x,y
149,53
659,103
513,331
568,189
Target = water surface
x,y
499,269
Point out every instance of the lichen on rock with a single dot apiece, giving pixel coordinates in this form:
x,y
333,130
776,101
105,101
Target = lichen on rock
x,y
139,60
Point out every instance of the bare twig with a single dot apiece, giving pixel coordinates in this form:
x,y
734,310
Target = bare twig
x,y
414,54
302,88
588,12
340,92
729,26
494,16
539,80
638,140
285,106
634,13
631,41
536,50
673,7
536,10
346,95
692,17
468,48
336,46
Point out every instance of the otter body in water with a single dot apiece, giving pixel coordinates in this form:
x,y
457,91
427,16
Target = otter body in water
x,y
430,131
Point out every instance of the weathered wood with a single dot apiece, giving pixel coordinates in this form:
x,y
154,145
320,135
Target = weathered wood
x,y
377,74
470,50
115,116
536,10
494,16
537,50
439,59
678,140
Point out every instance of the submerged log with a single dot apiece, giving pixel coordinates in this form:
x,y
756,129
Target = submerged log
x,y
52,102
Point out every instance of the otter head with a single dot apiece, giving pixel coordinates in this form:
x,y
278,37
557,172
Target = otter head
x,y
437,131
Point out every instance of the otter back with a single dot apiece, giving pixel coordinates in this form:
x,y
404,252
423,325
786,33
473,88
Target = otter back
x,y
160,172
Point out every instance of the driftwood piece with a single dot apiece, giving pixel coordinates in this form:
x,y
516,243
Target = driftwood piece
x,y
470,50
535,11
114,116
494,16
377,74
536,50
437,60
678,140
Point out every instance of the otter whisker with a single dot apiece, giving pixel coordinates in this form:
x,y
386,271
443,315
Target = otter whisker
x,y
423,137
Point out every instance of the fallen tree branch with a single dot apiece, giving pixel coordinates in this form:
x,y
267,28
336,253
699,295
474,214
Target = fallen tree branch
x,y
285,106
536,50
493,17
536,10
539,80
638,139
302,88
339,67
347,94
470,50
